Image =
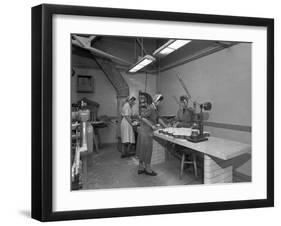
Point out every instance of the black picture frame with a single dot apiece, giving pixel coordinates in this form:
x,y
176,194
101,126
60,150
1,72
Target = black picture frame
x,y
42,107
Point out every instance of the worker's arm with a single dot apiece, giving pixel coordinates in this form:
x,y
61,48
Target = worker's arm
x,y
128,118
145,114
192,110
126,113
147,122
162,123
177,120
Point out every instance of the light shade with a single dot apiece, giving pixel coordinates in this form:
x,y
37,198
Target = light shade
x,y
143,62
170,47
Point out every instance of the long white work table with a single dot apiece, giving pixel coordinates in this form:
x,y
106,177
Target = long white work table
x,y
219,155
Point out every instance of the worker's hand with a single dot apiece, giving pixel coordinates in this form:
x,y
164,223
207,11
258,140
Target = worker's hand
x,y
165,126
154,128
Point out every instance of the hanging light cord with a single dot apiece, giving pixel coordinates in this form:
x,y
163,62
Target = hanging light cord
x,y
145,81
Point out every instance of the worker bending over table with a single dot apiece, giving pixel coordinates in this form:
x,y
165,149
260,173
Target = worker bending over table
x,y
185,114
149,121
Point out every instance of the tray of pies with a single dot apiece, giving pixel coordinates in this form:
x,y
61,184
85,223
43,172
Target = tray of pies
x,y
180,133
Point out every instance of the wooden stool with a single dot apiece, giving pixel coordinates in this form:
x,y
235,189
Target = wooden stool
x,y
192,161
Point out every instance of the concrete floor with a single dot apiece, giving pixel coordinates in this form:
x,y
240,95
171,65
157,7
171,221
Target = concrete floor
x,y
107,170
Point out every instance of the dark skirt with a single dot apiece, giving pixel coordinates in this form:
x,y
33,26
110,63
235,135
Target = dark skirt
x,y
145,143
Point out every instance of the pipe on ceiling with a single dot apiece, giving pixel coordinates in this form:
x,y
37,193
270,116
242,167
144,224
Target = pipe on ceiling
x,y
100,53
141,46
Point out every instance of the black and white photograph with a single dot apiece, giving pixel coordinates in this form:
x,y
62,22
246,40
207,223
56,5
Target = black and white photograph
x,y
144,112
148,112
140,113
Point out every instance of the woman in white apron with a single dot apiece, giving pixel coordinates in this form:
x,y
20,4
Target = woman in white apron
x,y
126,127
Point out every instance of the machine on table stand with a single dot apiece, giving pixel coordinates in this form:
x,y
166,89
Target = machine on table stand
x,y
199,118
82,144
201,136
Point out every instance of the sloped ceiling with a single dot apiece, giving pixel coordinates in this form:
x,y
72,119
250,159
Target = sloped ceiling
x,y
129,49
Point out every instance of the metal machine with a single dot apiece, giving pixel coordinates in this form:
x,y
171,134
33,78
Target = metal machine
x,y
83,142
198,122
201,136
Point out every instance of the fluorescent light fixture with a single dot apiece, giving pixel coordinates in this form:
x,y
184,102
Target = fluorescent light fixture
x,y
170,47
143,62
166,51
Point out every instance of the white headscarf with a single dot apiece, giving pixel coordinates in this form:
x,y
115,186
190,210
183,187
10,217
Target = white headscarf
x,y
127,100
157,97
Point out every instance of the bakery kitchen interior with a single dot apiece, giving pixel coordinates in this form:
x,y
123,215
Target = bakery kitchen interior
x,y
159,112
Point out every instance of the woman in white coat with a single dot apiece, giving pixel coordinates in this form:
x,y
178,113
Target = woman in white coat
x,y
126,127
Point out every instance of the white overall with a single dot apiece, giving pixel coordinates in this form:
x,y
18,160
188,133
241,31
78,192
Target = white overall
x,y
127,132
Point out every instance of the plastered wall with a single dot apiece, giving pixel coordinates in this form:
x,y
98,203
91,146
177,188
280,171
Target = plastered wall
x,y
105,95
223,78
